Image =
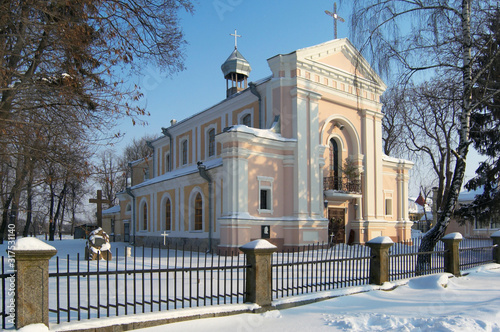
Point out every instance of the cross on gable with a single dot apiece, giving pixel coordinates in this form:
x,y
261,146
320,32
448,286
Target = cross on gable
x,y
99,202
235,38
335,18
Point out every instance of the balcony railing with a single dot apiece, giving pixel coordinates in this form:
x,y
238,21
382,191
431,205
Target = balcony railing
x,y
341,184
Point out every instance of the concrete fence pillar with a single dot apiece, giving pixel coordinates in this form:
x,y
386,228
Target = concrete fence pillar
x,y
451,255
259,276
496,250
379,262
32,281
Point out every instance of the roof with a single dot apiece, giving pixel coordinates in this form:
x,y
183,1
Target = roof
x,y
179,172
236,63
468,196
111,210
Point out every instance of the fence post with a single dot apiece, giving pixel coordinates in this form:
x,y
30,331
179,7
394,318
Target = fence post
x,y
258,276
496,250
379,262
451,253
32,281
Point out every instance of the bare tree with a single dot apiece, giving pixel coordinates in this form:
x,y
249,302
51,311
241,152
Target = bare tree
x,y
60,76
432,129
421,38
393,121
109,175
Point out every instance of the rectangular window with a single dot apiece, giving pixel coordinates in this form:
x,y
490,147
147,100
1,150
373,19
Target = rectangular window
x,y
184,152
211,142
167,163
388,206
264,194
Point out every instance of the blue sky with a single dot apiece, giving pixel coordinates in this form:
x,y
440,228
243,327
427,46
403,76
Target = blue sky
x,y
267,28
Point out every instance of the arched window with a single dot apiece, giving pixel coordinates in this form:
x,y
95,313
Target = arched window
x,y
184,152
144,211
334,164
168,215
211,142
198,213
247,120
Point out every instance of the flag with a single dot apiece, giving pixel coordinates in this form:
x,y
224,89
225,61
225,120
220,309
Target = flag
x,y
420,200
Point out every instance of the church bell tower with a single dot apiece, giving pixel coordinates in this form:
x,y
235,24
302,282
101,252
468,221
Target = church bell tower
x,y
236,70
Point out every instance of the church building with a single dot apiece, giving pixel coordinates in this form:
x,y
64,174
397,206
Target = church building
x,y
295,158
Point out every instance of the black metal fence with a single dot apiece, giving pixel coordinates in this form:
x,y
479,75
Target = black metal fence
x,y
403,259
475,252
144,282
154,279
7,280
341,183
318,267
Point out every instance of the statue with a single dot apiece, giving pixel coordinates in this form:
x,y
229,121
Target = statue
x,y
98,246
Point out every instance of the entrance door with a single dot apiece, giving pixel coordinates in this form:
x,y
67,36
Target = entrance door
x,y
336,225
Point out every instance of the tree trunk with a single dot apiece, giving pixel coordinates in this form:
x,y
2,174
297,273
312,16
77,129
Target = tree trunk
x,y
16,188
431,238
29,207
53,224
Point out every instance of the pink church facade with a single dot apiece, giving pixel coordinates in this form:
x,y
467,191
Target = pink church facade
x,y
295,158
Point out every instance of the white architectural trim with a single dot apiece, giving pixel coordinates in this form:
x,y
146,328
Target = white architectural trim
x,y
389,196
269,189
242,114
348,127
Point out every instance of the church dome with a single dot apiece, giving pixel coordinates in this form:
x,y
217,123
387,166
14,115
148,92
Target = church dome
x,y
236,64
236,70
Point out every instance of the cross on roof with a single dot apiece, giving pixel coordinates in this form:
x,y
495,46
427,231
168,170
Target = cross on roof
x,y
335,18
235,38
99,202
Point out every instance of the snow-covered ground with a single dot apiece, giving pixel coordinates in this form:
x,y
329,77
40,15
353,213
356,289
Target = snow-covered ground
x,y
432,303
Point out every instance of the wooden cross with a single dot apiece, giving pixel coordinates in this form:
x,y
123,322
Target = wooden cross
x,y
335,18
235,38
99,202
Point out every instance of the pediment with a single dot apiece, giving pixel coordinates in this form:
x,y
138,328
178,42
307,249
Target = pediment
x,y
340,54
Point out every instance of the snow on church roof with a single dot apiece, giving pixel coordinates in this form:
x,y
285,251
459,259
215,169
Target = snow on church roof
x,y
264,133
111,210
179,172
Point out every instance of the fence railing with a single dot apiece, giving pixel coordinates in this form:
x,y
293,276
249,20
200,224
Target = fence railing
x,y
7,280
403,257
316,268
154,279
475,252
145,282
341,184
